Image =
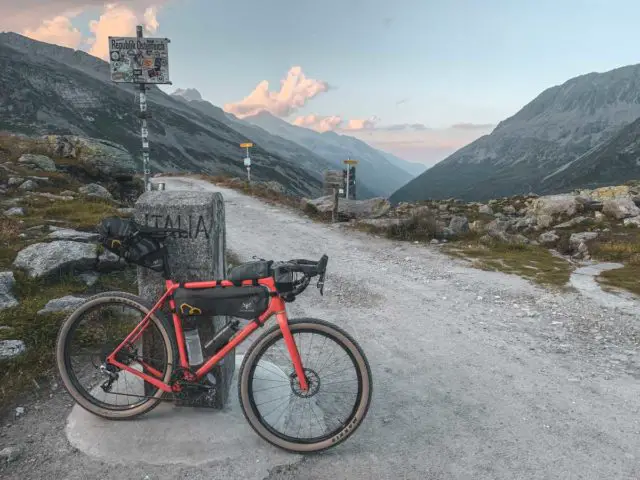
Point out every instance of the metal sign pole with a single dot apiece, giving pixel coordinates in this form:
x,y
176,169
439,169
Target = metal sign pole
x,y
347,187
144,131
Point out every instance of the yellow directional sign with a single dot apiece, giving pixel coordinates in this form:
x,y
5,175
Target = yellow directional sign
x,y
246,145
350,162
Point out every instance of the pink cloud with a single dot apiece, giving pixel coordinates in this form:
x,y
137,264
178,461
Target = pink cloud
x,y
366,124
51,21
118,21
295,91
59,31
318,123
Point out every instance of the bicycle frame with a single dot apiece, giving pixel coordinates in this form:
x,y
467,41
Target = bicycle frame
x,y
276,307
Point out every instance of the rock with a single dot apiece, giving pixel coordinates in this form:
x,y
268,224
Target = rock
x,y
526,223
64,304
74,235
11,348
434,241
45,259
573,222
509,210
28,185
14,212
459,225
477,226
577,238
608,193
555,205
14,181
126,211
548,238
39,161
95,190
89,278
635,221
620,208
68,193
544,221
19,411
599,216
443,207
497,225
370,208
64,148
107,157
9,454
383,222
7,281
485,209
51,196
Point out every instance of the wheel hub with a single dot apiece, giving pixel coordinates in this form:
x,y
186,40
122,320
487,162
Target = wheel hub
x,y
313,383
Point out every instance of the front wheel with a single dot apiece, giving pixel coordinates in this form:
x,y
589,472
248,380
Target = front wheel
x,y
334,405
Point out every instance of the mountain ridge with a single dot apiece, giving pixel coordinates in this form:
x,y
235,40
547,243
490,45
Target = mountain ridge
x,y
562,124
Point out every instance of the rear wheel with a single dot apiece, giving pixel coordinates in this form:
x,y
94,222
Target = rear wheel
x,y
336,402
91,333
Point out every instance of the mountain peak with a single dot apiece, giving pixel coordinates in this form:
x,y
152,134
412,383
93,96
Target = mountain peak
x,y
188,94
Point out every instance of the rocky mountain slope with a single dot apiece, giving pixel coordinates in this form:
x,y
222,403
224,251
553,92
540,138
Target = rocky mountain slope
x,y
47,89
550,145
375,169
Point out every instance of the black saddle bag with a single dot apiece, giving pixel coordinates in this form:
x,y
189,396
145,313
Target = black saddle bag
x,y
241,302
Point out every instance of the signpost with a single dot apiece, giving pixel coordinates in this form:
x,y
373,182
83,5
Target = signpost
x,y
351,168
247,159
141,61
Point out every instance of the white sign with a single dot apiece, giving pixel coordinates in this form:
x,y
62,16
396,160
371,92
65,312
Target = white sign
x,y
341,191
139,60
247,162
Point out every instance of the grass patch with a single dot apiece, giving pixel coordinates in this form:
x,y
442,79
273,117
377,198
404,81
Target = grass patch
x,y
531,262
80,213
625,278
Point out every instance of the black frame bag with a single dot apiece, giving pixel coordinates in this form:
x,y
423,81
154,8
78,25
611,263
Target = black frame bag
x,y
241,302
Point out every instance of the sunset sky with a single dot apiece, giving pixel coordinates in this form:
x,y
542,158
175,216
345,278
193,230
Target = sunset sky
x,y
418,78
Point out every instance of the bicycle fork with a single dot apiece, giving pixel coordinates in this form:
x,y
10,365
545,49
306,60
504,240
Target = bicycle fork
x,y
283,322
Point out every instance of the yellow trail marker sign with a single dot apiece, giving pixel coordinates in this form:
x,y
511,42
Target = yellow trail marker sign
x,y
350,162
246,145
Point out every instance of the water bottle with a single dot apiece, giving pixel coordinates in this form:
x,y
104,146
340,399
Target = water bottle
x,y
192,342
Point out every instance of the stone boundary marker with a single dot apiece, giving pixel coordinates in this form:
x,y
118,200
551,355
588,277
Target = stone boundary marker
x,y
196,255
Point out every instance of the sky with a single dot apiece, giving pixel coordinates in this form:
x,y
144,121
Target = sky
x,y
417,78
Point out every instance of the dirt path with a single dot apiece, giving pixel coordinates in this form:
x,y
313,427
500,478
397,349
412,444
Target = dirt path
x,y
476,374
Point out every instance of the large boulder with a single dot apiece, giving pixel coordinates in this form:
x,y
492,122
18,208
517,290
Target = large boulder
x,y
620,208
555,206
11,348
65,304
95,190
459,225
47,259
107,157
370,208
608,193
41,162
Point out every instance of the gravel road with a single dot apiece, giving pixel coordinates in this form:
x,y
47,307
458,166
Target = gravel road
x,y
477,375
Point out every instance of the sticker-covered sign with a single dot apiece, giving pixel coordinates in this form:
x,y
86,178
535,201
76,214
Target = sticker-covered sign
x,y
139,60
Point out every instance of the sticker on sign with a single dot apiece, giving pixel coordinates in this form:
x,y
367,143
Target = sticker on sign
x,y
139,60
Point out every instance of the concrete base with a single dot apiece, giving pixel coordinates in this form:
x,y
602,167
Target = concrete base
x,y
177,435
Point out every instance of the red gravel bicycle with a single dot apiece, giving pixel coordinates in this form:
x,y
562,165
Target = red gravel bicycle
x,y
304,385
